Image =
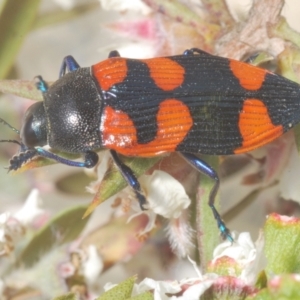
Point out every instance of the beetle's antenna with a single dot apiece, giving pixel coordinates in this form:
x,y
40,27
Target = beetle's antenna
x,y
23,147
8,125
11,141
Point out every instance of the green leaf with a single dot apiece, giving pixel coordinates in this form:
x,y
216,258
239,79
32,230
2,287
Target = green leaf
x,y
62,229
21,88
144,296
284,31
262,280
120,292
297,137
208,234
285,287
69,296
16,19
261,58
282,244
289,63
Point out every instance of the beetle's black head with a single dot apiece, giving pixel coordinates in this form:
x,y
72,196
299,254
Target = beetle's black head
x,y
34,128
33,133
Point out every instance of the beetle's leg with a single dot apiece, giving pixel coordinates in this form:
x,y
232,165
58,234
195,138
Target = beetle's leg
x,y
90,158
251,58
205,169
113,53
194,50
41,84
18,160
69,64
130,178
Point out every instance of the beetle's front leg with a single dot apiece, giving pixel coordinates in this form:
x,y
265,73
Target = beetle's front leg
x,y
207,170
90,159
69,64
130,178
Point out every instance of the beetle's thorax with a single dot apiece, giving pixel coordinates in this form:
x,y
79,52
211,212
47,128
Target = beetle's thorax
x,y
73,111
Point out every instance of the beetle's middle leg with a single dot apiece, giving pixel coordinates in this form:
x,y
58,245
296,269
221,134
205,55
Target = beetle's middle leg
x,y
207,170
131,179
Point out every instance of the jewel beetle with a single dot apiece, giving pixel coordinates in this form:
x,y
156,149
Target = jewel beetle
x,y
194,103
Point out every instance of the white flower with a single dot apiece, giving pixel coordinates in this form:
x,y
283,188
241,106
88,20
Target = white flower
x,y
10,230
66,4
191,288
66,269
195,291
247,255
12,227
167,197
160,288
122,5
100,169
31,209
93,265
242,249
86,263
180,235
3,220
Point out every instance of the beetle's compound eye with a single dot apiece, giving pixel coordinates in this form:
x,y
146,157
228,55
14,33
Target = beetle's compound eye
x,y
33,132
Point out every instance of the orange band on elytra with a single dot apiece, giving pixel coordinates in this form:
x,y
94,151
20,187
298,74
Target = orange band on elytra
x,y
250,77
173,122
166,73
256,126
110,72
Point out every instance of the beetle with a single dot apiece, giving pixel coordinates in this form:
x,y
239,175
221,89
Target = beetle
x,y
194,103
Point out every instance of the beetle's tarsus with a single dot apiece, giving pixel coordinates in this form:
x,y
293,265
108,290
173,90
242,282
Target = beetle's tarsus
x,y
41,84
18,160
225,232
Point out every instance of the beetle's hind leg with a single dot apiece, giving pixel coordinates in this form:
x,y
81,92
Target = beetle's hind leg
x,y
192,51
131,179
68,64
114,53
205,169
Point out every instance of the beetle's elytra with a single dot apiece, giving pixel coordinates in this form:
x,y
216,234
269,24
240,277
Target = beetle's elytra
x,y
194,103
